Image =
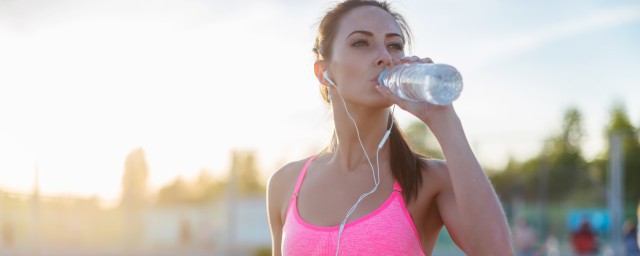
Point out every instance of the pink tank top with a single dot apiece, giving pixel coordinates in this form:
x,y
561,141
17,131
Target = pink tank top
x,y
389,230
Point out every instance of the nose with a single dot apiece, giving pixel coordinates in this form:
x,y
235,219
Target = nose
x,y
384,59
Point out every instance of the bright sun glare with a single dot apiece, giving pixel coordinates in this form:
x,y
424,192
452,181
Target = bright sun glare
x,y
172,81
88,83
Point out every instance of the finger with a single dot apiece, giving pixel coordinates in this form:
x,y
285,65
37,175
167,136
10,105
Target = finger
x,y
389,95
410,59
395,62
426,60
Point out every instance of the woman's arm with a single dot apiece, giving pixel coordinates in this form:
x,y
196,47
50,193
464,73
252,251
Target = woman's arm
x,y
469,207
274,211
279,189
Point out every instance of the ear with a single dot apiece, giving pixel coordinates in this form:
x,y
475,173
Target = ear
x,y
319,68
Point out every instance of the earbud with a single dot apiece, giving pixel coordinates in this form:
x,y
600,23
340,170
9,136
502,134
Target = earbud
x,y
326,77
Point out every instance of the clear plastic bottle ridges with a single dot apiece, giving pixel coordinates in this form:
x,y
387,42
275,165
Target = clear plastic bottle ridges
x,y
438,84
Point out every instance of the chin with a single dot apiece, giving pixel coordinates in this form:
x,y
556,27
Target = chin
x,y
380,102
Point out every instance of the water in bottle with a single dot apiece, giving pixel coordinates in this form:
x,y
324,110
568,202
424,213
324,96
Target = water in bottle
x,y
438,84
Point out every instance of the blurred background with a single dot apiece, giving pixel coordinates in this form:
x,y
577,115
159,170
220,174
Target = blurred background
x,y
151,127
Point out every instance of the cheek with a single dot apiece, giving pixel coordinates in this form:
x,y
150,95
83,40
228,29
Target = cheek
x,y
350,67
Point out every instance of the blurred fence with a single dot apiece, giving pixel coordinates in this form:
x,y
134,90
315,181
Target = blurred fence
x,y
33,225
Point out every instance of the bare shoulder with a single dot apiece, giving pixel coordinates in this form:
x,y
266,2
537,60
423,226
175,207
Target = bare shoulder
x,y
435,180
426,208
280,187
285,178
436,174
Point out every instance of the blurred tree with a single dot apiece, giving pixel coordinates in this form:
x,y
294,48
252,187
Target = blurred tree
x,y
207,187
620,124
422,141
202,190
244,173
569,141
554,173
244,180
134,198
175,193
562,158
134,180
516,180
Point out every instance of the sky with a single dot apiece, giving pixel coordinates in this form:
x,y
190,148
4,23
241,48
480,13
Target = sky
x,y
83,83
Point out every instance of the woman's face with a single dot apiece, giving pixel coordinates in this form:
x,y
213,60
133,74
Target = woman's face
x,y
368,40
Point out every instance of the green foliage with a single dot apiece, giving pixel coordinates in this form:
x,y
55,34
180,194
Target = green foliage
x,y
262,251
619,121
519,180
563,158
422,141
620,124
555,173
560,172
569,141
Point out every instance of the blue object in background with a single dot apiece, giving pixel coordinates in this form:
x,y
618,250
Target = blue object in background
x,y
598,218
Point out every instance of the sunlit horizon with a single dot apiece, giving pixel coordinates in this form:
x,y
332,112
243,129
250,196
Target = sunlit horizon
x,y
83,84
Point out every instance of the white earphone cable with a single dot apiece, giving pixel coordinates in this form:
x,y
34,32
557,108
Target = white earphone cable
x,y
374,173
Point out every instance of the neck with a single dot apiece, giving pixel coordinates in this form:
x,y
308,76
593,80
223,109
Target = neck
x,y
371,127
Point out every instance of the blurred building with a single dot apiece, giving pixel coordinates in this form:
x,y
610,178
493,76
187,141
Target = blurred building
x,y
207,227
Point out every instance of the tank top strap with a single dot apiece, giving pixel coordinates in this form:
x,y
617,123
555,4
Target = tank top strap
x,y
301,175
396,186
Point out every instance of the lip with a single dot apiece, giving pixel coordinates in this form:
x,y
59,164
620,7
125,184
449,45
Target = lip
x,y
375,79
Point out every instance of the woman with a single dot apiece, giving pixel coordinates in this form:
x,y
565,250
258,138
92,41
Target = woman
x,y
365,195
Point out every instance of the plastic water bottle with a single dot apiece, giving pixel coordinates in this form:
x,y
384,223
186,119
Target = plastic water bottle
x,y
438,84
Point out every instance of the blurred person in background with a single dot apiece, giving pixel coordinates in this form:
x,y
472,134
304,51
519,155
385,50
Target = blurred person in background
x,y
7,234
185,232
524,237
551,246
584,239
631,238
364,195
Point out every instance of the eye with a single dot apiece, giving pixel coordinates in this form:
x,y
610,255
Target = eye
x,y
360,42
396,46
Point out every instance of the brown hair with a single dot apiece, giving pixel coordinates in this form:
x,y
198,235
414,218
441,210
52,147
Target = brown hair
x,y
406,165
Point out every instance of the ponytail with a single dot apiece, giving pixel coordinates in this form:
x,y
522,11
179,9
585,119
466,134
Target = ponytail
x,y
406,165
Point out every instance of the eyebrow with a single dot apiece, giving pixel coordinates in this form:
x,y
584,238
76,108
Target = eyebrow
x,y
368,33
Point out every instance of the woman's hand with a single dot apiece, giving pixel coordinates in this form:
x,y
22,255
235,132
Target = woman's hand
x,y
426,112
